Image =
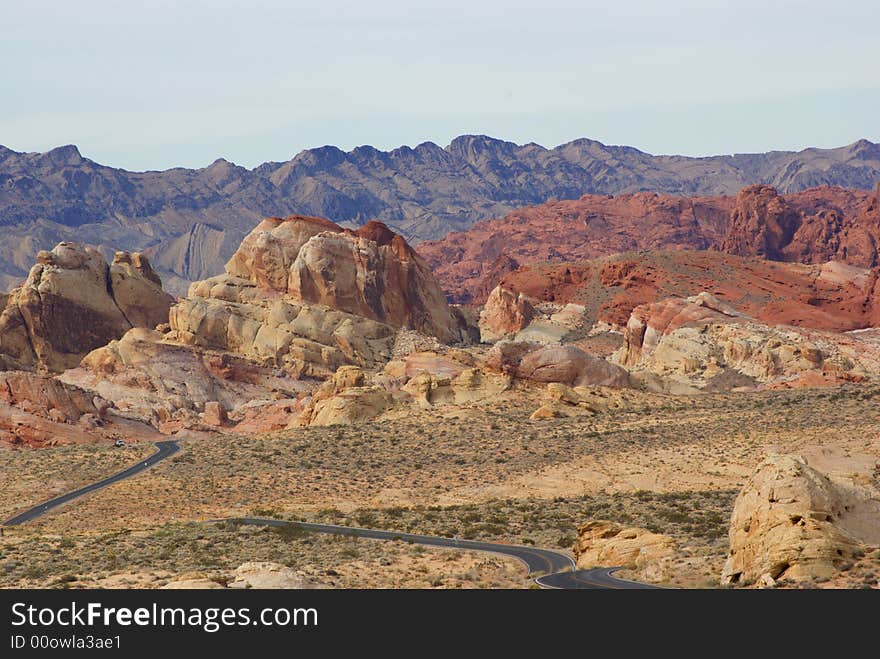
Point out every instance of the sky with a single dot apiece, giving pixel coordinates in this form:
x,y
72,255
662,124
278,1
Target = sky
x,y
162,83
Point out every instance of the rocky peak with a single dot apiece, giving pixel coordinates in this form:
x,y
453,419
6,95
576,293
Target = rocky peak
x,y
64,155
474,149
371,272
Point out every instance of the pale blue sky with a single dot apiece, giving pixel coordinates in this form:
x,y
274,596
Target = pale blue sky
x,y
184,82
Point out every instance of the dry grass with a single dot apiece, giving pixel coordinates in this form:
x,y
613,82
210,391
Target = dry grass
x,y
152,557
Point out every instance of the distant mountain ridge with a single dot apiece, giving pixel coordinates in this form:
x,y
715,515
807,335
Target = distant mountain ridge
x,y
190,220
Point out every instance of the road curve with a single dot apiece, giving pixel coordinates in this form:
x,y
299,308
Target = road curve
x,y
165,450
551,569
598,578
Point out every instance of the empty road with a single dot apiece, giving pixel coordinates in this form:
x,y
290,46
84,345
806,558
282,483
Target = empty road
x,y
166,449
549,568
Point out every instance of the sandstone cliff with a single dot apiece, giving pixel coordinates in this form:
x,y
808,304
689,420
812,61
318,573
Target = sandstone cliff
x,y
73,302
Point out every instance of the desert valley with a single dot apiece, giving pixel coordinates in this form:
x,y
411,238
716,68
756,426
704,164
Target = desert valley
x,y
678,380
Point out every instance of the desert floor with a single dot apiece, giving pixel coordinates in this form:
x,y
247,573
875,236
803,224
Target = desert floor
x,y
672,464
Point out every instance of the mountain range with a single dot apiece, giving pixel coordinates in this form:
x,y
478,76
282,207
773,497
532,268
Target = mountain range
x,y
190,221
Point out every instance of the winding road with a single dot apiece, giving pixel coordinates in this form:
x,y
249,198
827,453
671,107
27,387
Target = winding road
x,y
165,450
549,568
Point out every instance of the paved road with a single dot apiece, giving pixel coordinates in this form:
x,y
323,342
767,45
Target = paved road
x,y
553,569
166,449
550,568
599,578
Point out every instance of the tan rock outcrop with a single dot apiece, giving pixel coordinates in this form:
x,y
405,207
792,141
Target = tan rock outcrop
x,y
351,406
306,295
73,302
700,342
229,314
608,544
137,290
262,574
504,314
345,398
371,272
561,400
468,386
165,384
790,522
301,298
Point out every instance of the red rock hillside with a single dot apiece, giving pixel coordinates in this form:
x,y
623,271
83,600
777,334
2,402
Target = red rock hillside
x,y
833,296
814,226
807,227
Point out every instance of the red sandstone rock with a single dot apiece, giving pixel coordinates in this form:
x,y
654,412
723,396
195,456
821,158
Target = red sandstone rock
x,y
592,226
41,395
813,226
817,225
833,296
214,414
504,314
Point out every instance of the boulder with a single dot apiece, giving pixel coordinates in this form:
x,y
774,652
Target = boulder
x,y
345,398
792,523
608,544
265,575
561,363
352,406
570,365
545,412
